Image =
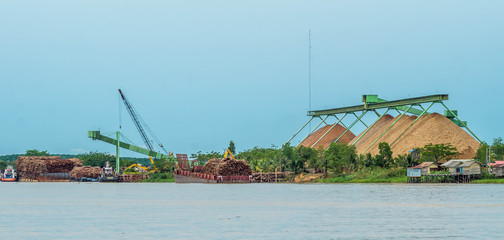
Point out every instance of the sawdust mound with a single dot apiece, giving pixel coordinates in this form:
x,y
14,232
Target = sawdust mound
x,y
433,128
30,167
89,172
227,167
329,138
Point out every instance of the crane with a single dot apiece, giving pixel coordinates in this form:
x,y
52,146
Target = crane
x,y
141,126
139,123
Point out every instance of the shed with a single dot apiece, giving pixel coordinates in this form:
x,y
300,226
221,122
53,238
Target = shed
x,y
414,172
426,167
415,154
463,166
498,169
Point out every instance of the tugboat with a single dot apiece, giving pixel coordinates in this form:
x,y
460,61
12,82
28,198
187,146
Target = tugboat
x,y
9,175
108,174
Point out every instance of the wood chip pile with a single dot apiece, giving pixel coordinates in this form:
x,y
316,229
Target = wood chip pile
x,y
87,171
433,128
30,167
227,167
329,137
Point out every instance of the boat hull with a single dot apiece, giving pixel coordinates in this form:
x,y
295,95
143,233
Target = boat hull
x,y
8,179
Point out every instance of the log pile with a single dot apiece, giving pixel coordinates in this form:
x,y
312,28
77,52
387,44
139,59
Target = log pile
x,y
270,177
88,172
227,167
30,167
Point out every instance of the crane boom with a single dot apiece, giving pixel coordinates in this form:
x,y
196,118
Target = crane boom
x,y
96,135
134,116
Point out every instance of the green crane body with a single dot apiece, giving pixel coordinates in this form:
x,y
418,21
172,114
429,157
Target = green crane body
x,y
96,135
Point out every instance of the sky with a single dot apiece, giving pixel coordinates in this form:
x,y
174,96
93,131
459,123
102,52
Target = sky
x,y
202,73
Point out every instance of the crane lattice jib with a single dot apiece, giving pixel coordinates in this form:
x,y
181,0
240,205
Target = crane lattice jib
x,y
136,120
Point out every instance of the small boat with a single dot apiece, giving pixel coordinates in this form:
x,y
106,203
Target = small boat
x,y
9,175
108,174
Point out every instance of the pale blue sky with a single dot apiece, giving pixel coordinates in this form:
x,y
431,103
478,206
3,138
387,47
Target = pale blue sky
x,y
201,73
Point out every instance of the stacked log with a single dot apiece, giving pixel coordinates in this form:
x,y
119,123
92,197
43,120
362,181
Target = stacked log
x,y
227,167
88,172
270,177
234,167
30,167
211,166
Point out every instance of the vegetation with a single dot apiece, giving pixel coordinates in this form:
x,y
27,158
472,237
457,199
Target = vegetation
x,y
202,158
160,177
232,147
99,159
3,165
437,152
35,152
497,152
370,175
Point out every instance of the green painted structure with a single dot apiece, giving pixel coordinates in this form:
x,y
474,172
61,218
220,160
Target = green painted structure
x,y
96,135
371,103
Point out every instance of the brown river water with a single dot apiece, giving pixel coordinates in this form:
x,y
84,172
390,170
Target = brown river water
x,y
250,211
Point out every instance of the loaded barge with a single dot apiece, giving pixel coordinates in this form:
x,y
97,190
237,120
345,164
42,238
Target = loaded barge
x,y
182,176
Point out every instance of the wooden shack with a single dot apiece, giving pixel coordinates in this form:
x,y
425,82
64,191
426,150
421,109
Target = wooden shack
x,y
497,169
424,168
463,166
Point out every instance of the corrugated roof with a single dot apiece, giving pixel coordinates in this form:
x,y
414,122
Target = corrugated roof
x,y
459,163
422,165
496,163
468,163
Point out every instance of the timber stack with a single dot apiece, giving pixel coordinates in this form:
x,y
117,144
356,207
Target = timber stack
x,y
227,170
32,168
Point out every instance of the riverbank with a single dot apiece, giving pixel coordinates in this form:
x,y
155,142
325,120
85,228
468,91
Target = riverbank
x,y
374,175
160,177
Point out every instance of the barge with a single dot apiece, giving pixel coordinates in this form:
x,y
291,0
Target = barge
x,y
182,176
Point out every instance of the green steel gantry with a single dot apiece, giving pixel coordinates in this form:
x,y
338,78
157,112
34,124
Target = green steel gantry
x,y
372,103
96,135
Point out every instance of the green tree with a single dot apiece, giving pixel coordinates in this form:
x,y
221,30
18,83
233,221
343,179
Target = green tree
x,y
262,159
3,165
165,165
341,157
498,148
35,152
231,147
309,156
481,153
437,152
384,157
98,159
202,158
405,160
286,156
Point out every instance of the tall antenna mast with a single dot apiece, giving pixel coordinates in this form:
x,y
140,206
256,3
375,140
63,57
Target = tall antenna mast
x,y
309,73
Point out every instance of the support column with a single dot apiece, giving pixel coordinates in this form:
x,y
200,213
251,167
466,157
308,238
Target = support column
x,y
465,125
424,111
312,131
329,130
117,153
299,130
387,129
348,129
372,125
361,119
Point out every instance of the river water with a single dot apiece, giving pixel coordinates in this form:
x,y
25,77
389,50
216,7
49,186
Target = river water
x,y
250,211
